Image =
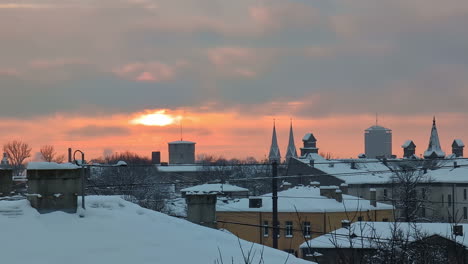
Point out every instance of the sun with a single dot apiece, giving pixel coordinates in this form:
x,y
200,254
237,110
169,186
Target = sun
x,y
158,118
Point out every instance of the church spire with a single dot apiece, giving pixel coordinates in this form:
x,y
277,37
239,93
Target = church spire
x,y
291,151
274,150
434,150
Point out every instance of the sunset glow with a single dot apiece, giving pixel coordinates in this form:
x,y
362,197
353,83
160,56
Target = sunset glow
x,y
158,118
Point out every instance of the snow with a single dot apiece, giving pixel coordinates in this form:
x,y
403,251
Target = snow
x,y
459,142
182,142
180,168
51,166
406,144
118,232
307,137
383,230
302,199
214,188
370,171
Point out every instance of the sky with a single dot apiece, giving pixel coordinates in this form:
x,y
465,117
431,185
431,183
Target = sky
x,y
75,73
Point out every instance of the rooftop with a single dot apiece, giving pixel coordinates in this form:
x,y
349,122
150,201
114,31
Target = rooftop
x,y
303,199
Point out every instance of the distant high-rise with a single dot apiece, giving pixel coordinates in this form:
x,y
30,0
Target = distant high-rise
x,y
378,142
181,152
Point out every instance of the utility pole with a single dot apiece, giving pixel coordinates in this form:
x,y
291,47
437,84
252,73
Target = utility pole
x,y
274,187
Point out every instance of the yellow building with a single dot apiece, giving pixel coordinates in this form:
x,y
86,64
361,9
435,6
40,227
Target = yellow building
x,y
304,212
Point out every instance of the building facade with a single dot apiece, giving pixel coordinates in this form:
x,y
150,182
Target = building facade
x,y
378,142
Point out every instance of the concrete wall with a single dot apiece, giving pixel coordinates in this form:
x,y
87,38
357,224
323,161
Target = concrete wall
x,y
320,223
54,190
6,182
201,209
182,153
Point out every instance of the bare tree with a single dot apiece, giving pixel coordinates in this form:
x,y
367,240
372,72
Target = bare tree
x,y
17,152
49,155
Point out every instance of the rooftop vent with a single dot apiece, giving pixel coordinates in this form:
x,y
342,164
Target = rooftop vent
x,y
255,202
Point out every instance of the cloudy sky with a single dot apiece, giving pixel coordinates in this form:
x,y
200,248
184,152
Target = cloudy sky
x,y
76,72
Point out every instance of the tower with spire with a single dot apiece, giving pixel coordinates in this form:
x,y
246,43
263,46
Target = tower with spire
x,y
434,151
274,150
291,151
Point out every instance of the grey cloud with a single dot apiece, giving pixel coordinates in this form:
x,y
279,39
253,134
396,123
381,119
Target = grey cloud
x,y
96,131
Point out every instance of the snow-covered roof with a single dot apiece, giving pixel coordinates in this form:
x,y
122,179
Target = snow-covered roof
x,y
367,234
180,168
309,136
378,128
181,142
459,142
373,171
407,143
214,188
119,232
367,170
303,199
51,166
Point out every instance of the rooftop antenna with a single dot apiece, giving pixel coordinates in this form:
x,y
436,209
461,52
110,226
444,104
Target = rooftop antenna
x,y
376,119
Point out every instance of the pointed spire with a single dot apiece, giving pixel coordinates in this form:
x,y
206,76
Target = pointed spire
x,y
291,151
434,150
274,150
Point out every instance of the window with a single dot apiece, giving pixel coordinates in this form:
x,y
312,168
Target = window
x,y
265,228
385,220
289,228
385,195
449,200
359,218
306,229
464,194
442,200
423,193
465,213
423,211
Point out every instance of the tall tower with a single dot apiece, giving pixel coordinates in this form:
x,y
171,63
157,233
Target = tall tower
x,y
378,142
434,151
274,150
291,151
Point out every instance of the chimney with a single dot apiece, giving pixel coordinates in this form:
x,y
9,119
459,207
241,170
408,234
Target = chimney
x,y
455,165
373,197
312,163
314,184
345,223
285,186
328,191
338,195
255,202
458,230
344,188
69,155
155,157
353,165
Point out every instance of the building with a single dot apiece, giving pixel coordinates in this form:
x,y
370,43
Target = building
x,y
409,149
434,151
378,142
274,154
457,148
291,151
303,212
427,242
181,152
